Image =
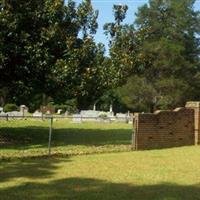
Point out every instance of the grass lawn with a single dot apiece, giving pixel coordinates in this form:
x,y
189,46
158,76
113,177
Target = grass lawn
x,y
170,174
28,138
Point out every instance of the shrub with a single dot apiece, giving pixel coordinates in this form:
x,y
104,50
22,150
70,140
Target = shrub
x,y
69,108
63,107
103,115
10,107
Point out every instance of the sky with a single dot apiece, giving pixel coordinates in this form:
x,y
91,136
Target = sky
x,y
106,14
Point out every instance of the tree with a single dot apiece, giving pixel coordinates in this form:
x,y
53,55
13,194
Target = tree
x,y
138,94
82,74
48,50
119,35
170,48
163,49
30,43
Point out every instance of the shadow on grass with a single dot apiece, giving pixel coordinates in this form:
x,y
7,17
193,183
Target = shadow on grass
x,y
30,135
93,189
29,168
21,136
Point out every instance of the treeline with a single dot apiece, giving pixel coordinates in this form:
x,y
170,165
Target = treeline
x,y
48,55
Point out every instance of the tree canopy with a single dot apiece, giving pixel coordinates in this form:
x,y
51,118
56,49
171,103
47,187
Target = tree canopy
x,y
48,53
162,49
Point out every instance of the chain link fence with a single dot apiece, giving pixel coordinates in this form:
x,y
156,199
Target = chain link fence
x,y
28,136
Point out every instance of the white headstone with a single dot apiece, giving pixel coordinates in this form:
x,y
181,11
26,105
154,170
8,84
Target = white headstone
x,y
3,113
111,108
77,118
121,117
3,116
37,114
23,109
14,114
89,115
59,111
66,113
48,112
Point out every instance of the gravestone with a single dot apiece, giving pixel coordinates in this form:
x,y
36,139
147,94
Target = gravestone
x,y
76,118
59,111
23,109
66,114
14,114
89,115
121,117
49,108
2,114
48,112
37,114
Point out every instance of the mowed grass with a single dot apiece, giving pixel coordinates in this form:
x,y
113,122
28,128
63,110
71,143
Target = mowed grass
x,y
29,138
170,174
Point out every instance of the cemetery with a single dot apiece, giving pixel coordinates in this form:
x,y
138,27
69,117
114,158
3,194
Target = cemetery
x,y
103,149
94,151
99,100
83,116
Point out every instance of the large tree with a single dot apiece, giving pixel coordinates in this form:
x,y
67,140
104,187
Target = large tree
x,y
30,44
48,50
162,51
171,49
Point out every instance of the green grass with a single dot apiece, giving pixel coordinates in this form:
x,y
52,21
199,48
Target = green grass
x,y
170,174
29,138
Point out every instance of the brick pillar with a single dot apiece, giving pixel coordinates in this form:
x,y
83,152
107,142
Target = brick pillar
x,y
135,131
196,106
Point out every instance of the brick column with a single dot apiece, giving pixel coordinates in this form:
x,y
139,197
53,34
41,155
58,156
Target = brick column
x,y
135,131
196,106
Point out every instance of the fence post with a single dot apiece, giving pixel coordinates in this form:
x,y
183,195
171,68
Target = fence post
x,y
7,117
50,134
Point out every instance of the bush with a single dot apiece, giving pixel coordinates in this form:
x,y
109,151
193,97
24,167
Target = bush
x,y
10,107
70,106
103,115
62,107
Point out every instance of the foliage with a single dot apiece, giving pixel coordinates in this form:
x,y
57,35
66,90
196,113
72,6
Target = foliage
x,y
138,94
77,79
48,53
10,107
119,44
70,106
111,98
103,115
170,27
161,48
48,50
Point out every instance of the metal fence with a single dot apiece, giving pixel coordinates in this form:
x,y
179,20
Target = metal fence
x,y
28,136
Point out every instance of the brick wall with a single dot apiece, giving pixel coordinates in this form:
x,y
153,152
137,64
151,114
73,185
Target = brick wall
x,y
164,129
196,107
